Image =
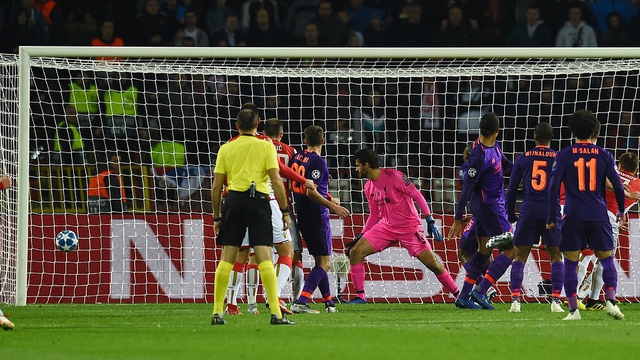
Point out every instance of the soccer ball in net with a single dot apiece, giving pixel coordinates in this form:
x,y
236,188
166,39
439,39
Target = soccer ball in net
x,y
66,241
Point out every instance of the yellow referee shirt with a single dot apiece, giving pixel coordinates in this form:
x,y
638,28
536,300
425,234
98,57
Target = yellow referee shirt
x,y
244,160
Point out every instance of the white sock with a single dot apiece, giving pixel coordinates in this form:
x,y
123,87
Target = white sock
x,y
253,279
235,279
583,266
298,281
283,272
596,282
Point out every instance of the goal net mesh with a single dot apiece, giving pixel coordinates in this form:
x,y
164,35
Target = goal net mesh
x,y
8,166
167,118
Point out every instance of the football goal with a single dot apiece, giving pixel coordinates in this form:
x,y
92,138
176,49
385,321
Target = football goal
x,y
65,112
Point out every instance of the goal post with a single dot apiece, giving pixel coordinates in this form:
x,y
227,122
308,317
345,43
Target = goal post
x,y
431,101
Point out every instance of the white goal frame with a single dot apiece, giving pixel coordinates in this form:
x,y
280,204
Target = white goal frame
x,y
26,53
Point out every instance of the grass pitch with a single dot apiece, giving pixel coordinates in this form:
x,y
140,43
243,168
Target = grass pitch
x,y
372,331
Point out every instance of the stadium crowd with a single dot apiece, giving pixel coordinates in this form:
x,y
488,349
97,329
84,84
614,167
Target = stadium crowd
x,y
335,23
79,116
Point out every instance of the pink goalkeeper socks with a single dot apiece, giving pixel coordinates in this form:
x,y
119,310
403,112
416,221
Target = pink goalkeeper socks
x,y
357,278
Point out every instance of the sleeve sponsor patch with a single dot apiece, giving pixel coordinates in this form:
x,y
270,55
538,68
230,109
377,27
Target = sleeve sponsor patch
x,y
406,180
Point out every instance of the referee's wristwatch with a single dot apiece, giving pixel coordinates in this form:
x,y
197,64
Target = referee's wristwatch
x,y
284,211
217,219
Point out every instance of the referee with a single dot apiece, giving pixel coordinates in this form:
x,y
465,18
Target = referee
x,y
246,165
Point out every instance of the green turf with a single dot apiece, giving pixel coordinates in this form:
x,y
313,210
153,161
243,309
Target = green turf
x,y
380,331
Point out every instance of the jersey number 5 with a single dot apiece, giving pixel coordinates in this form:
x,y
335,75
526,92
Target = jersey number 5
x,y
539,175
582,167
296,186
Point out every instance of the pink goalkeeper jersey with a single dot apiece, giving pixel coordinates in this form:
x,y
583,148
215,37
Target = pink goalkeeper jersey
x,y
390,201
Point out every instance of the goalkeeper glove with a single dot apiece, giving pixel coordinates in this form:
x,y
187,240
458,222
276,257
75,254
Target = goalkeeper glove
x,y
350,245
433,229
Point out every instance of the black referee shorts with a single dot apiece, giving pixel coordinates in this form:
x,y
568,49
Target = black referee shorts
x,y
241,212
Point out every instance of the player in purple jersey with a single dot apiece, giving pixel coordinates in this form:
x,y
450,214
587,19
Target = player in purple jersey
x,y
313,219
468,244
393,218
583,169
533,169
484,187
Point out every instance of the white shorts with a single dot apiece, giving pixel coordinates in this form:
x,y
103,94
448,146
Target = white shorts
x,y
279,236
615,229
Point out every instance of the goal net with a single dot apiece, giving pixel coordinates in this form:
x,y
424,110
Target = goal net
x,y
166,112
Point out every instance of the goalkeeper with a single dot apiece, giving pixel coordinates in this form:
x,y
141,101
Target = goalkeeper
x,y
393,218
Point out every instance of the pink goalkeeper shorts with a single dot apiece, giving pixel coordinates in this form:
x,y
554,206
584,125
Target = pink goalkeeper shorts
x,y
381,236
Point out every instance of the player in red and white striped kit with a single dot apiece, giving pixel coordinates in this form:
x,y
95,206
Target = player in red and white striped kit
x,y
281,239
627,168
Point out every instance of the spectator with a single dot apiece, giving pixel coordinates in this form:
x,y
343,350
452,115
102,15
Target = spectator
x,y
250,9
26,28
107,37
360,16
575,32
53,18
175,12
105,191
80,25
84,97
191,29
355,39
68,140
622,133
557,13
311,35
333,32
181,105
121,112
602,10
230,35
456,31
369,122
377,34
431,104
264,34
216,15
187,41
474,101
343,16
412,32
172,172
122,13
615,35
497,21
300,13
152,27
533,33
